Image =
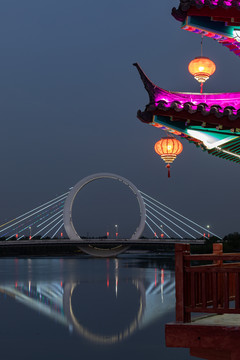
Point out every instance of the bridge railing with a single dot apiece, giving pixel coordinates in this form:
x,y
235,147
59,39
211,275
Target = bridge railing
x,y
211,287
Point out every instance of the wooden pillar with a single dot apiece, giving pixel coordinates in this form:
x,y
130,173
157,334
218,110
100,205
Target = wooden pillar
x,y
180,286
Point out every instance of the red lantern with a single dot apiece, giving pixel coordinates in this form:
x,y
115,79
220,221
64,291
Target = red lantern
x,y
168,148
201,68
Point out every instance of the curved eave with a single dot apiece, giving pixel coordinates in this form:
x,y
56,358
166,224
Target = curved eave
x,y
212,108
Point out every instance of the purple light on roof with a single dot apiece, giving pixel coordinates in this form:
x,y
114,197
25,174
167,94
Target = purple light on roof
x,y
220,99
156,95
217,2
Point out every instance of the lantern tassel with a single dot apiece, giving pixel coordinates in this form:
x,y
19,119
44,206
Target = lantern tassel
x,y
168,167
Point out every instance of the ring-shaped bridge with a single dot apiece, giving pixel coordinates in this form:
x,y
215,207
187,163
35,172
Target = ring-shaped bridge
x,y
67,214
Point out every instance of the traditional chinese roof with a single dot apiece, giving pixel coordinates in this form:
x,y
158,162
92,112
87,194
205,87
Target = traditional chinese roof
x,y
211,110
208,8
210,121
217,19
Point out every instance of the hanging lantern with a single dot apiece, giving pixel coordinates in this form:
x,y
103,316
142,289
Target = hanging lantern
x,y
168,148
201,68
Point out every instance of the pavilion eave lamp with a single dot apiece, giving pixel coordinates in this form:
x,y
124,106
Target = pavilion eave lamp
x,y
201,68
168,148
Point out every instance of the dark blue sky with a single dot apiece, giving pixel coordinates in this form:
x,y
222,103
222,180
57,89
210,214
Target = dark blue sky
x,y
69,96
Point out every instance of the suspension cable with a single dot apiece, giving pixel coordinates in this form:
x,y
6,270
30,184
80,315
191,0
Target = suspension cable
x,y
206,230
171,215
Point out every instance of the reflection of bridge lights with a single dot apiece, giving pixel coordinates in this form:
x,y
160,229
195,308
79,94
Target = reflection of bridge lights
x,y
32,292
107,260
162,283
116,285
53,300
116,277
105,339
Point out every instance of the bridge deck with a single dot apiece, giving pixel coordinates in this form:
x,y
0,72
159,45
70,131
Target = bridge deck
x,y
96,242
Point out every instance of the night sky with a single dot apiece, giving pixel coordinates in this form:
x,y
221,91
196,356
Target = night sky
x,y
69,97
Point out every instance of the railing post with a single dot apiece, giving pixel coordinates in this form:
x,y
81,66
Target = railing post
x,y
180,286
218,250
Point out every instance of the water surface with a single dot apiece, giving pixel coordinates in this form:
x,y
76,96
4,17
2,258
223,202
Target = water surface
x,y
81,307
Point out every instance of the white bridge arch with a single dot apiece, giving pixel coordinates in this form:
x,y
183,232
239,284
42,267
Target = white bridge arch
x,y
67,214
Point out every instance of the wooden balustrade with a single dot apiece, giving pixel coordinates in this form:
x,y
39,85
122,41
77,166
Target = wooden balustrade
x,y
206,288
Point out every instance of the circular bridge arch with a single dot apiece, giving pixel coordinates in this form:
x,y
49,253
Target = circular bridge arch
x,y
67,214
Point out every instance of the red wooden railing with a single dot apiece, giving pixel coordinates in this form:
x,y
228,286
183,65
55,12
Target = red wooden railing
x,y
211,288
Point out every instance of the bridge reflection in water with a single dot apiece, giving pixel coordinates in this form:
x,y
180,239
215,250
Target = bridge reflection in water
x,y
154,292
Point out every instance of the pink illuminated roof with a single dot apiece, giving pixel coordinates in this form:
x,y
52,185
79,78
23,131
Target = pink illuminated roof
x,y
185,5
218,104
227,11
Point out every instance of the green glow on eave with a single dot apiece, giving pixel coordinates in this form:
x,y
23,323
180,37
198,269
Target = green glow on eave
x,y
210,137
205,23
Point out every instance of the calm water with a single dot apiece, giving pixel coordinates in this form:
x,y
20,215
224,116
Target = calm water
x,y
72,308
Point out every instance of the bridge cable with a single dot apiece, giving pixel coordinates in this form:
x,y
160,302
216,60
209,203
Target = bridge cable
x,y
51,228
57,230
162,231
159,226
29,216
206,230
164,224
65,194
46,226
185,231
189,226
30,224
57,213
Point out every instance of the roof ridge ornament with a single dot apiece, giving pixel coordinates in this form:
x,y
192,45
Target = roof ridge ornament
x,y
155,93
148,84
